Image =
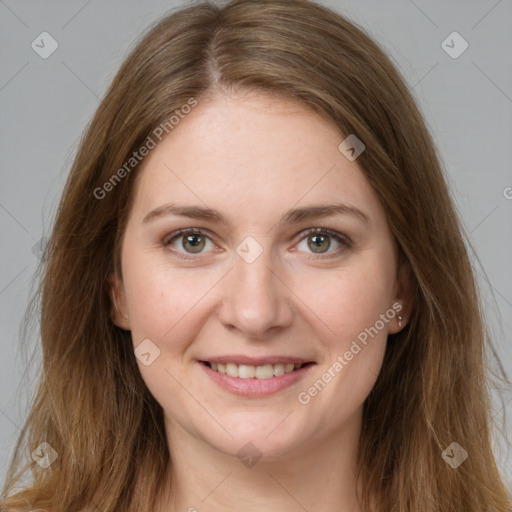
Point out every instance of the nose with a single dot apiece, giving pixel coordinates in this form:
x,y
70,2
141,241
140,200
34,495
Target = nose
x,y
255,299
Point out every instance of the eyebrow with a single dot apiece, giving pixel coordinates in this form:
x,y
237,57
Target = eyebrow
x,y
293,216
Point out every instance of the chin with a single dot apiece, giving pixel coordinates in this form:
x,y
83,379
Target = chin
x,y
269,439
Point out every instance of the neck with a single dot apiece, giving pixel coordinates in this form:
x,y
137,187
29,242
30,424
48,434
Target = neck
x,y
318,476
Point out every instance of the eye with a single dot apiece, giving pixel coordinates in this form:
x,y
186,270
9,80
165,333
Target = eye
x,y
319,241
190,240
194,241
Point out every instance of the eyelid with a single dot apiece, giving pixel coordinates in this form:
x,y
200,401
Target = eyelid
x,y
339,237
176,234
344,241
167,240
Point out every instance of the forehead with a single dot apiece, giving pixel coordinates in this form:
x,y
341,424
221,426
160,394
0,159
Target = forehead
x,y
251,154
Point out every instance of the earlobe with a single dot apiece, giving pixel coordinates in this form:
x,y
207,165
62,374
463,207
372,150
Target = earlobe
x,y
118,310
399,320
403,300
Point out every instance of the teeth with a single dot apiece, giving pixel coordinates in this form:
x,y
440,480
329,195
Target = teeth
x,y
247,371
264,372
278,370
232,369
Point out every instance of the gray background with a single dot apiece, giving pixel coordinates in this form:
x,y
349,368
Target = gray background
x,y
46,103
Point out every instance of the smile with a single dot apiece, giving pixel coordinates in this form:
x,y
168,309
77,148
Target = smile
x,y
257,380
247,371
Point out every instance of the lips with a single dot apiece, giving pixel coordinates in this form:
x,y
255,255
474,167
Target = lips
x,y
245,367
247,371
255,361
262,377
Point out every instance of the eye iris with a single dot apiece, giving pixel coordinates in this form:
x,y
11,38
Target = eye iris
x,y
196,241
319,240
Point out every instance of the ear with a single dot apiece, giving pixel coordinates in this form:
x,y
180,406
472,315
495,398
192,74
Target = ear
x,y
403,300
119,309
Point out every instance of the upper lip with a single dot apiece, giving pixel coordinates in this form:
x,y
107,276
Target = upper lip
x,y
256,361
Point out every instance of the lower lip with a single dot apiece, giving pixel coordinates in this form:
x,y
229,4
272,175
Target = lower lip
x,y
255,387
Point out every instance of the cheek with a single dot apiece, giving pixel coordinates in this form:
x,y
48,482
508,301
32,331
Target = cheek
x,y
344,302
340,303
354,343
160,299
164,305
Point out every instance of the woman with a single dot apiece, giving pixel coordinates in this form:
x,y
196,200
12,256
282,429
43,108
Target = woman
x,y
256,295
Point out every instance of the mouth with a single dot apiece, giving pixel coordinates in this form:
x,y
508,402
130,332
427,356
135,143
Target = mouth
x,y
262,378
260,372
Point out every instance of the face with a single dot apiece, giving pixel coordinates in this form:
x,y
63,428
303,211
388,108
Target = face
x,y
287,260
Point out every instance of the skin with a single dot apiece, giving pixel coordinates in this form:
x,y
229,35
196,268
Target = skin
x,y
252,157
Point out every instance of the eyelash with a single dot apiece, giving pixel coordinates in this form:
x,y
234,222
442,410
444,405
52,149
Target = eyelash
x,y
342,239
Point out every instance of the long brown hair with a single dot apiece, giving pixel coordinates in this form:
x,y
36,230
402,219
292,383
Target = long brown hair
x,y
92,405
